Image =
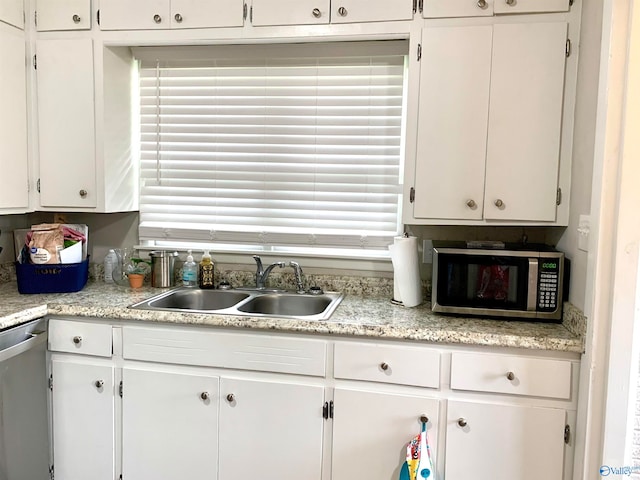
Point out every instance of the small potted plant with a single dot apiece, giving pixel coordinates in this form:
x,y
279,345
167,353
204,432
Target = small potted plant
x,y
136,272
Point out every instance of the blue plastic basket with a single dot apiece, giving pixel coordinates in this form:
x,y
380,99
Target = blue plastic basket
x,y
52,278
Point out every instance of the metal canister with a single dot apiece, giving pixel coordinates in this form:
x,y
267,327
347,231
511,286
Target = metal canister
x,y
163,268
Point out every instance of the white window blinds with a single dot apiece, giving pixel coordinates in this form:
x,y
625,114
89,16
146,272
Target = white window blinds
x,y
282,144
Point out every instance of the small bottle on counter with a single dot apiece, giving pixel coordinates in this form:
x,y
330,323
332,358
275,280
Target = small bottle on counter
x,y
189,272
206,271
109,263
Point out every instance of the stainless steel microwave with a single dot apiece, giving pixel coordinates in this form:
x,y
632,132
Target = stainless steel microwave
x,y
498,280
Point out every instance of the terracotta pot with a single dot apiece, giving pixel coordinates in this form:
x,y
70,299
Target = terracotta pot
x,y
136,280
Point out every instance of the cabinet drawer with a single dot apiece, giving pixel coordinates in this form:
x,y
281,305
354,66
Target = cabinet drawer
x,y
77,337
530,6
458,8
225,350
387,364
511,374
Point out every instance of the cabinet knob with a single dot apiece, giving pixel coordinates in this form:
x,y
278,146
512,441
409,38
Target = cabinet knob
x,y
511,3
384,366
317,13
83,193
231,397
204,395
471,204
77,339
76,19
178,18
482,4
342,12
157,18
462,422
499,203
99,383
511,375
424,418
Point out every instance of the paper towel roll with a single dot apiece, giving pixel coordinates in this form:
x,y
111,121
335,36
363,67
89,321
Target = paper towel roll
x,y
407,287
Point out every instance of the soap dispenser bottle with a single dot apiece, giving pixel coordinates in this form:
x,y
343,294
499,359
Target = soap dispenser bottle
x,y
189,272
206,270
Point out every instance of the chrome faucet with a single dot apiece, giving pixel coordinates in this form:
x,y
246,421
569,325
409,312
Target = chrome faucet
x,y
297,270
263,273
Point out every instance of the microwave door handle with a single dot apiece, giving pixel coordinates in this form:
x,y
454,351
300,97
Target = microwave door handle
x,y
533,285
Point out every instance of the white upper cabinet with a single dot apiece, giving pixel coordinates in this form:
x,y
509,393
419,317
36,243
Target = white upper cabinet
x,y
487,8
12,12
525,119
489,123
289,12
63,15
353,11
165,14
66,123
13,121
454,108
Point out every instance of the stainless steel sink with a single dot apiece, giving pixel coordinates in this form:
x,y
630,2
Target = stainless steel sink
x,y
245,302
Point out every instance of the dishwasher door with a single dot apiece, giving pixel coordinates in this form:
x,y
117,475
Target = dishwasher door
x,y
24,432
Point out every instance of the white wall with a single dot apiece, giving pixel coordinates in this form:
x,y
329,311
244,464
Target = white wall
x,y
583,145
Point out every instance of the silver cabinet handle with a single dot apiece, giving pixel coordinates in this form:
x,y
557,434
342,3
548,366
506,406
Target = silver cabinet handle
x,y
178,18
511,375
204,395
482,4
157,18
99,383
231,397
317,13
471,204
83,193
77,339
76,19
499,203
384,366
462,422
342,12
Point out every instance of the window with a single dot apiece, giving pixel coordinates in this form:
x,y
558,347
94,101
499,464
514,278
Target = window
x,y
281,145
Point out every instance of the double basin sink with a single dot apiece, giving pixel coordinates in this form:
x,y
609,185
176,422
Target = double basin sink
x,y
245,302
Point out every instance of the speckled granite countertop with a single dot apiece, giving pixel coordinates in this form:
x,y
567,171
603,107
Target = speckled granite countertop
x,y
356,316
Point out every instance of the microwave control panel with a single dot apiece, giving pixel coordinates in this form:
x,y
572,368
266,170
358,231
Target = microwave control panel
x,y
548,284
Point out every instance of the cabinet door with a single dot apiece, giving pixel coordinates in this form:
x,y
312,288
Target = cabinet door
x,y
12,12
63,15
454,104
525,118
352,11
458,8
207,13
138,15
14,185
169,425
531,6
289,12
83,420
270,430
500,442
371,431
66,123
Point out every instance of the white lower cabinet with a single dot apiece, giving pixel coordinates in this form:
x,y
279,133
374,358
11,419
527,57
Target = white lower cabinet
x,y
504,442
83,418
270,430
169,424
371,430
210,404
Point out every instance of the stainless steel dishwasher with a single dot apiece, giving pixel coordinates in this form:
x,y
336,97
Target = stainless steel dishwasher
x,y
24,432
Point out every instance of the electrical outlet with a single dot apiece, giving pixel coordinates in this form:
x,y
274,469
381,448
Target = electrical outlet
x,y
584,228
427,251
